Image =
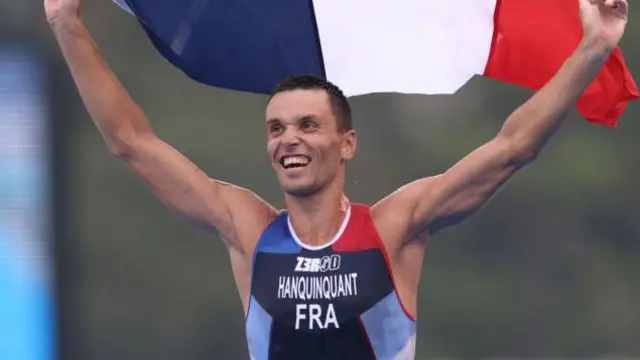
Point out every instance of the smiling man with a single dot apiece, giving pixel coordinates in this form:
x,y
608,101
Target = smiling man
x,y
327,279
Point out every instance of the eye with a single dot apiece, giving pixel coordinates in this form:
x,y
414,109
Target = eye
x,y
275,128
308,124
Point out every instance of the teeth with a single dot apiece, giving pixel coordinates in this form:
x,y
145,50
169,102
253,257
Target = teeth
x,y
295,160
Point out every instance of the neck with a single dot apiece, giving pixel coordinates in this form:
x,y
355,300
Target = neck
x,y
317,219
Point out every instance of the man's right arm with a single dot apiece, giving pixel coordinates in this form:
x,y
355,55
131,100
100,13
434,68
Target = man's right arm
x,y
238,214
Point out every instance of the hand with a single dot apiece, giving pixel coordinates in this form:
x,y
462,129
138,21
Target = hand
x,y
603,21
60,10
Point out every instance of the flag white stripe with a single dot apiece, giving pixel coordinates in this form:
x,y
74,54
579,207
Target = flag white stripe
x,y
406,46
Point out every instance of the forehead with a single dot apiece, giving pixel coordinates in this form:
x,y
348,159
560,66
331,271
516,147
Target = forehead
x,y
294,104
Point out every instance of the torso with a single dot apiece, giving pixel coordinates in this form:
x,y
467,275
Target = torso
x,y
334,302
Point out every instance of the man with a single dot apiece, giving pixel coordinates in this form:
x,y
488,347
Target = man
x,y
326,279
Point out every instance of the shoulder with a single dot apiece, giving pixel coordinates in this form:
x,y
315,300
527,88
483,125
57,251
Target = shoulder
x,y
403,201
250,214
394,215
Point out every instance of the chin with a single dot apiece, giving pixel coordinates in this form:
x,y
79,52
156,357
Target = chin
x,y
300,190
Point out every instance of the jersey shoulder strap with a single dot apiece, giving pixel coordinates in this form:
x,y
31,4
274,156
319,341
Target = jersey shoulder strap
x,y
360,233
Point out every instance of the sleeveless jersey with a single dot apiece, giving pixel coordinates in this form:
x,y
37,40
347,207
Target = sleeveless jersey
x,y
336,301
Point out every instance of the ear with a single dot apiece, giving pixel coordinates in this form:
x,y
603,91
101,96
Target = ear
x,y
349,144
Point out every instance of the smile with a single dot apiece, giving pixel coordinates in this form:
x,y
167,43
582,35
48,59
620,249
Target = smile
x,y
294,161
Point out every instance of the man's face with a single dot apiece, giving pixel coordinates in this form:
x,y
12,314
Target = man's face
x,y
306,147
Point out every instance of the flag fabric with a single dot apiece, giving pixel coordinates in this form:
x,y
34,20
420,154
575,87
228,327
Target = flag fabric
x,y
373,46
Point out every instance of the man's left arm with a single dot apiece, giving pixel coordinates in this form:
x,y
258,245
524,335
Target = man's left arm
x,y
430,204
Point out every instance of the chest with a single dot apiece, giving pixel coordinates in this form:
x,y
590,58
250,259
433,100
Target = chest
x,y
317,290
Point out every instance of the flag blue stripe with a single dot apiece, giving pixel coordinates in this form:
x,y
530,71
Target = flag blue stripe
x,y
245,45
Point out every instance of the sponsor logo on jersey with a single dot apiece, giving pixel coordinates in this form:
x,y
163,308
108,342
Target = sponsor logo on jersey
x,y
323,264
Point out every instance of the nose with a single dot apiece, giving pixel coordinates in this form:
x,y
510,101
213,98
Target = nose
x,y
290,138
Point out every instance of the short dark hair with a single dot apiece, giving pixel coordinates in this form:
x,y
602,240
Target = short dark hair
x,y
339,103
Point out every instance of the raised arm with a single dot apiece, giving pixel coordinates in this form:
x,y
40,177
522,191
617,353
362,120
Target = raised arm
x,y
430,204
238,214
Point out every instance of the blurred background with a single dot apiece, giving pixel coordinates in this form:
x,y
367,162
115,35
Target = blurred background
x,y
92,266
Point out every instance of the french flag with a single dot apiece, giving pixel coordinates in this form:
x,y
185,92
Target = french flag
x,y
373,46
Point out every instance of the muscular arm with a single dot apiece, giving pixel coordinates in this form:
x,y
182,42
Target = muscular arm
x,y
178,183
430,204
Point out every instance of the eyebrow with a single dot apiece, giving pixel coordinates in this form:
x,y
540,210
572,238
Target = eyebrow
x,y
302,118
308,117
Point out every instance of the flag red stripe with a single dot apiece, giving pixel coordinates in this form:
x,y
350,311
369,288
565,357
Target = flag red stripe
x,y
531,41
494,38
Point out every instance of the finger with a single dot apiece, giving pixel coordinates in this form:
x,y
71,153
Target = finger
x,y
611,4
615,4
621,6
586,3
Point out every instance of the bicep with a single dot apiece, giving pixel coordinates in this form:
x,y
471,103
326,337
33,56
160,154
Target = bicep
x,y
188,191
449,198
